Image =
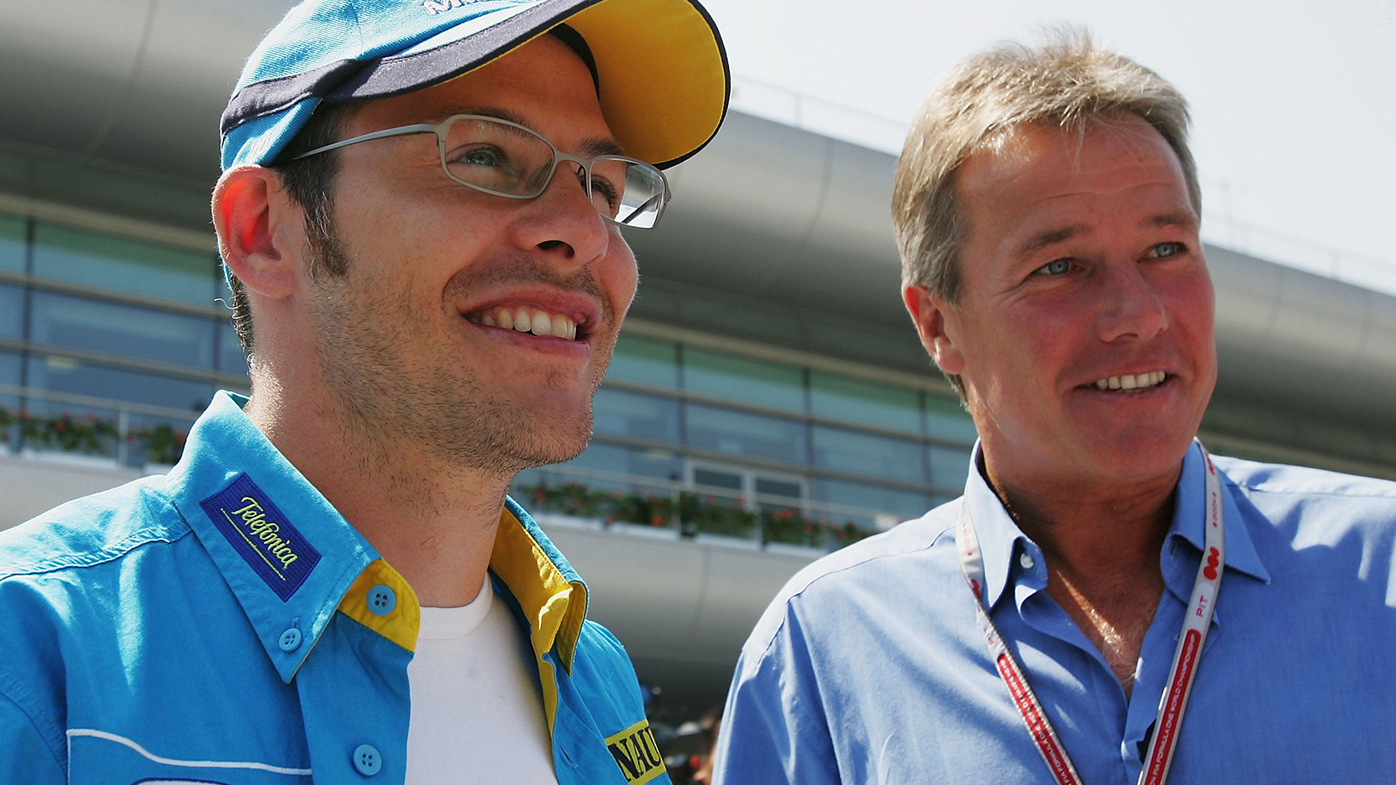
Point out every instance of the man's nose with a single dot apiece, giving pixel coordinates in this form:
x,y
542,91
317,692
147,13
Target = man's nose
x,y
562,221
1131,305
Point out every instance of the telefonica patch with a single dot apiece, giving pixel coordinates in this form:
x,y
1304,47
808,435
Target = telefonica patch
x,y
262,536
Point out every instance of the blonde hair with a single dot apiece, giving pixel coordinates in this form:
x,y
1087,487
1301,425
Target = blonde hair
x,y
1066,81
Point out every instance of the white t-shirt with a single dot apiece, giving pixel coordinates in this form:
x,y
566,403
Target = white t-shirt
x,y
477,715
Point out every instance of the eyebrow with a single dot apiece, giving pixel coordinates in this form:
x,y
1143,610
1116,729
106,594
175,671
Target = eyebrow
x,y
1049,238
1182,219
589,147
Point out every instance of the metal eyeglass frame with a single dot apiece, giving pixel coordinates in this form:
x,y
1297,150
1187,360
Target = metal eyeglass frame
x,y
439,129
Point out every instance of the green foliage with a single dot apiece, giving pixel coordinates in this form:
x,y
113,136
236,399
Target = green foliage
x,y
89,435
69,434
163,444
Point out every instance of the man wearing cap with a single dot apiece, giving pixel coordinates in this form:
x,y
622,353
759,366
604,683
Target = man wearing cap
x,y
1105,603
419,213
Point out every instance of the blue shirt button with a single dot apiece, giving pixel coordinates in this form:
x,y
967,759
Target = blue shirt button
x,y
367,761
290,640
381,600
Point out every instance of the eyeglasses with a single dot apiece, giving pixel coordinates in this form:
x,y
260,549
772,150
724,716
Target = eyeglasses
x,y
510,160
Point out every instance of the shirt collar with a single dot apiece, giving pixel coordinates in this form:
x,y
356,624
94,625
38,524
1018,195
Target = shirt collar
x,y
287,555
1189,526
999,536
291,560
549,593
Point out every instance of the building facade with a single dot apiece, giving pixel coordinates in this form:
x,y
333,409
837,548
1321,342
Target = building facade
x,y
768,400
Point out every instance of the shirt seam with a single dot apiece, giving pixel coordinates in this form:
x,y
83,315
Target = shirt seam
x,y
1310,492
7,691
775,633
113,552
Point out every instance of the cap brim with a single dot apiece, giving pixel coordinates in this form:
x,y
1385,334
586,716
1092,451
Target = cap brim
x,y
661,65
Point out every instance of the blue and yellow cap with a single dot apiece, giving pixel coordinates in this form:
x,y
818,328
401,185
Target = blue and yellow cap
x,y
660,66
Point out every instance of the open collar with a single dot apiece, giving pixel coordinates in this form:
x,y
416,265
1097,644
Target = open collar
x,y
1001,541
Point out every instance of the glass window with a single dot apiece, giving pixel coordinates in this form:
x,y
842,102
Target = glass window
x,y
864,453
650,464
874,499
645,360
946,419
739,433
230,356
741,379
636,415
11,311
132,331
840,397
9,377
728,480
93,259
11,244
949,467
9,369
65,375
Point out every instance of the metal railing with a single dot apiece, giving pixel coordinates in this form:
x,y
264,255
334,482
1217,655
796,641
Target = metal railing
x,y
688,510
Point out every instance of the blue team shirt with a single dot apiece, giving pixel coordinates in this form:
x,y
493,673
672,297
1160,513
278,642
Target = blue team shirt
x,y
869,667
224,624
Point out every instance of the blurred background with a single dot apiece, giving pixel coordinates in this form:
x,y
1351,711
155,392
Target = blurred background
x,y
768,401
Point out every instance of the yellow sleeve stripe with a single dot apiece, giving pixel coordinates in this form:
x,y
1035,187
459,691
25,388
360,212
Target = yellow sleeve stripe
x,y
401,624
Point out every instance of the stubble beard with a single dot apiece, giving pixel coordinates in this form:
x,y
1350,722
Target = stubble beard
x,y
440,411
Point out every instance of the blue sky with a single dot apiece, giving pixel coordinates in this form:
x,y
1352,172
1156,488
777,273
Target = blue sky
x,y
1294,103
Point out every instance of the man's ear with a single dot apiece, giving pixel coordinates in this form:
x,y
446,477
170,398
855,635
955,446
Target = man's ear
x,y
260,230
931,315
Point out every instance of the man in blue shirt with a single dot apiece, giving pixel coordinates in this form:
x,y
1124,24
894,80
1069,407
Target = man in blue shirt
x,y
419,212
1105,604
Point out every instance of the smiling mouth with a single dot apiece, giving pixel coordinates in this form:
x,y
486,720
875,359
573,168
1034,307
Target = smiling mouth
x,y
528,320
1132,383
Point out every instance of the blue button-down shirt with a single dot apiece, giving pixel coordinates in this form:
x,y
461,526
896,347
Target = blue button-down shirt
x,y
224,624
869,667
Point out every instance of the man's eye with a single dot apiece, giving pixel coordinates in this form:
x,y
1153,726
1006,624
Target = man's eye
x,y
1054,267
479,156
1165,250
605,195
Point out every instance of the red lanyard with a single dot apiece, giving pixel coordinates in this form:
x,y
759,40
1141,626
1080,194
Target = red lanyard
x,y
1180,677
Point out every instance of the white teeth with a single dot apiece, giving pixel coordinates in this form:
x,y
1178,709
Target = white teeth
x,y
1132,381
542,324
523,320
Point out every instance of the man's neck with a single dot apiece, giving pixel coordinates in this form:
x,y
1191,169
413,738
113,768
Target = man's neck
x,y
434,523
1102,543
1090,527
